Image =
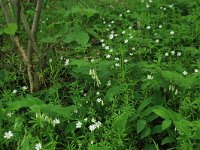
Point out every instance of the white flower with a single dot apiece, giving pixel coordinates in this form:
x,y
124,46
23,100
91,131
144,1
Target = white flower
x,y
104,22
120,15
61,57
112,32
98,124
160,26
107,47
157,41
24,88
112,22
172,32
117,65
99,100
108,83
166,54
108,56
92,127
116,35
178,53
92,60
172,52
147,6
150,1
123,32
76,111
91,142
50,60
164,8
130,27
78,124
128,11
9,114
126,41
14,91
109,25
102,40
111,36
133,48
131,54
149,77
56,121
111,50
185,73
148,27
103,44
155,34
161,7
93,120
85,119
196,70
97,93
117,59
125,60
171,5
66,62
38,146
8,135
131,37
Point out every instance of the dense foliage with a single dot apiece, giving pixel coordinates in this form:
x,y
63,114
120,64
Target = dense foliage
x,y
117,75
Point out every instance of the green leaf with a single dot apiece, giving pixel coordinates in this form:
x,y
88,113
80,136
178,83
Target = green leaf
x,y
80,37
144,103
165,113
24,102
145,132
50,109
166,140
141,125
90,12
119,123
114,90
10,29
166,124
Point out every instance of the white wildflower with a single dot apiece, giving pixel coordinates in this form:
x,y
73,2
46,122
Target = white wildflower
x,y
147,5
103,44
166,54
50,60
123,32
117,59
98,124
148,27
126,41
178,53
92,60
66,62
56,121
117,65
157,41
185,73
107,47
108,56
38,146
92,127
160,26
149,77
172,32
172,52
111,36
14,91
196,70
85,119
131,54
24,88
109,83
8,135
78,124
125,60
102,40
128,11
99,100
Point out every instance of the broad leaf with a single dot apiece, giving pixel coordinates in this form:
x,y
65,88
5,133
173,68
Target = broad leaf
x,y
10,29
141,125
